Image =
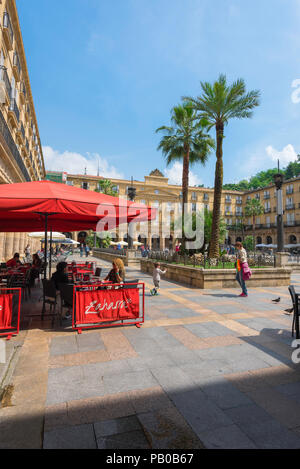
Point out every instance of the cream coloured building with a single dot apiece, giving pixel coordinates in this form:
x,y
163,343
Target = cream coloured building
x,y
21,156
155,190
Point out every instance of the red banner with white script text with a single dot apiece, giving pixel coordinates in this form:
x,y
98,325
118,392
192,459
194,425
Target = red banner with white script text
x,y
5,311
106,305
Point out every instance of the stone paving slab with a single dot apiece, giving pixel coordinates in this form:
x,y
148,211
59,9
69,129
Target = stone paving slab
x,y
231,437
73,437
207,368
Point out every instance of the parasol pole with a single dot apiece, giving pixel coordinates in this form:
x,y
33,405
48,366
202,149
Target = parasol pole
x,y
50,254
46,245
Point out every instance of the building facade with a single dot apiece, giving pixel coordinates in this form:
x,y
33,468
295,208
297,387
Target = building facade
x,y
155,190
266,224
21,156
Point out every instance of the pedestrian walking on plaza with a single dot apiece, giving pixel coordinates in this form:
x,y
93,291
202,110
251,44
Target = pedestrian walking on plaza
x,y
243,271
156,278
27,253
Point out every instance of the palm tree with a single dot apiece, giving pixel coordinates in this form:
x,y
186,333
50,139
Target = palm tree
x,y
253,209
217,105
186,141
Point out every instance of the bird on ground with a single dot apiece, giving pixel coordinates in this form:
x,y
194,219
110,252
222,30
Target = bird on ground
x,y
277,300
289,311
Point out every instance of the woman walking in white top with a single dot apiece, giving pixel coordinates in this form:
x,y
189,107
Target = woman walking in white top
x,y
156,278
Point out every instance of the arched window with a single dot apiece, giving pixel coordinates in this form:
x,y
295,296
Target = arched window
x,y
292,239
258,240
269,240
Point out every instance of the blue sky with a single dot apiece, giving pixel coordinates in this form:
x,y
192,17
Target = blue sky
x,y
105,75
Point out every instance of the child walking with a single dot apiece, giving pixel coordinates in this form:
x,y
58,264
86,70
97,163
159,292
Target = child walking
x,y
156,278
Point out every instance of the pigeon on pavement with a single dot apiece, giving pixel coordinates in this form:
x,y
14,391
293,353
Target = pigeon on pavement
x,y
277,300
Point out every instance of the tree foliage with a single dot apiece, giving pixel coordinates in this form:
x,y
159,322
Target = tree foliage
x,y
265,178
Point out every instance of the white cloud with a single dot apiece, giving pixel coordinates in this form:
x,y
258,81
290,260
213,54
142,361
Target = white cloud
x,y
75,163
285,156
175,175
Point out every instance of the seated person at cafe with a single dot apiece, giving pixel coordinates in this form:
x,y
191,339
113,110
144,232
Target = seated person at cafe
x,y
35,269
60,276
15,261
117,273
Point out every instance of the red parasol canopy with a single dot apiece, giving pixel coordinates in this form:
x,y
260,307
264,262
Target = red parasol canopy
x,y
23,207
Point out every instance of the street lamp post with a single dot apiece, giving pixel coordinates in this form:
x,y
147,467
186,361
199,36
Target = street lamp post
x,y
278,179
131,195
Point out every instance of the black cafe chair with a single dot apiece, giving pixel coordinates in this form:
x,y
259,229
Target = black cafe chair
x,y
294,302
50,296
66,297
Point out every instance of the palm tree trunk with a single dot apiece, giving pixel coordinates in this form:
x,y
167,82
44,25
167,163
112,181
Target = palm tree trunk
x,y
214,244
254,243
185,187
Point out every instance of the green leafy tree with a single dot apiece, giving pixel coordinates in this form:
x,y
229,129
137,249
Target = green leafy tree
x,y
196,219
218,104
208,222
253,209
249,244
187,141
106,187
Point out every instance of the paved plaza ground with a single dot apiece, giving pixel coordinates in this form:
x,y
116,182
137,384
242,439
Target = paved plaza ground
x,y
206,370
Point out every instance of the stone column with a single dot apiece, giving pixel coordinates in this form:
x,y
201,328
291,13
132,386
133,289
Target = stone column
x,y
282,259
2,246
22,243
8,246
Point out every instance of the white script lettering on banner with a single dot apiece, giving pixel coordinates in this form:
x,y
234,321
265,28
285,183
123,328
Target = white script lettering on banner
x,y
94,307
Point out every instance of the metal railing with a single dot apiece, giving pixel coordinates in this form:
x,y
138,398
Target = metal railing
x,y
4,130
255,259
22,130
290,207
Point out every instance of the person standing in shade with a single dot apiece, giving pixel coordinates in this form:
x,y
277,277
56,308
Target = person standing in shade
x,y
241,259
27,253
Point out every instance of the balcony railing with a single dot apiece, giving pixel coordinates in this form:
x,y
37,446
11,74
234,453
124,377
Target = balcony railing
x,y
5,79
5,132
266,196
268,210
22,130
13,107
290,223
7,25
289,191
228,201
290,207
238,202
238,213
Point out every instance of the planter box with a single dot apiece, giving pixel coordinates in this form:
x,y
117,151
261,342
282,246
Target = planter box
x,y
221,278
